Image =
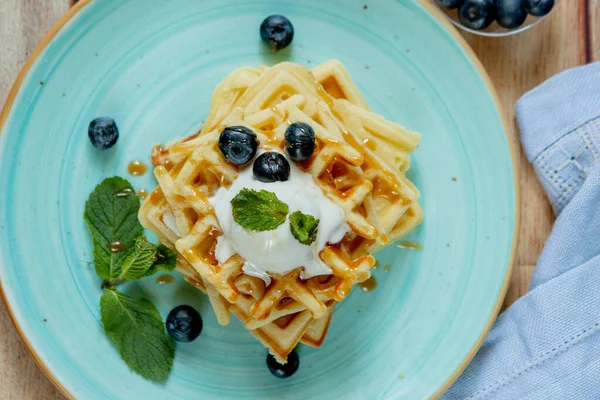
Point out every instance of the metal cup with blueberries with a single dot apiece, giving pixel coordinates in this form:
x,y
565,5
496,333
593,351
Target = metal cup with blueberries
x,y
496,17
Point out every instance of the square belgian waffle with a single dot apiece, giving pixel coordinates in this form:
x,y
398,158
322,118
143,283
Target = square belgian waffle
x,y
359,162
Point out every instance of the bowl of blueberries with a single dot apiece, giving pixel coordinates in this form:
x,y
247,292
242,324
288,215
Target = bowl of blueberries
x,y
495,17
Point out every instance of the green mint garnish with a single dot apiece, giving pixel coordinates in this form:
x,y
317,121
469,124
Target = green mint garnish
x,y
138,331
258,211
304,227
111,216
122,252
166,260
139,260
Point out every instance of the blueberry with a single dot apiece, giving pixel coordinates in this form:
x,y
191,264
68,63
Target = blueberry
x,y
271,167
277,31
184,324
538,8
103,133
238,144
477,14
450,4
284,370
511,13
299,141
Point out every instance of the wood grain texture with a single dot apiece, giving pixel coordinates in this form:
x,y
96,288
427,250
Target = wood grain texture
x,y
517,64
594,29
570,37
22,24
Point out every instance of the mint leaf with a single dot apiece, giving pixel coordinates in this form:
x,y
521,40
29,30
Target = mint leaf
x,y
166,260
304,227
139,260
111,217
122,252
258,211
138,331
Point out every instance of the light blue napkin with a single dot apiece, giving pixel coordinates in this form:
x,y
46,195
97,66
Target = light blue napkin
x,y
547,344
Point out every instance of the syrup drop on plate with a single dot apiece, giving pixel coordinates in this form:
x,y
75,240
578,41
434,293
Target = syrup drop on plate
x,y
142,193
137,168
368,285
165,279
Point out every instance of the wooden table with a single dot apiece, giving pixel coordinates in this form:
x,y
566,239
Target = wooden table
x,y
570,37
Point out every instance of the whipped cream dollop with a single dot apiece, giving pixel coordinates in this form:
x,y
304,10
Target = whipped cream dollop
x,y
277,251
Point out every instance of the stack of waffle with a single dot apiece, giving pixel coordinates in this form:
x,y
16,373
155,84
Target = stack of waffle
x,y
359,162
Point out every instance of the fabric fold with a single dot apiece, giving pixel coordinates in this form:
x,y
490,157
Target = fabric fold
x,y
558,106
547,344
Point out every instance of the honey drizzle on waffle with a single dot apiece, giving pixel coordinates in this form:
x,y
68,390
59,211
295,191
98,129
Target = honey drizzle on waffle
x,y
359,162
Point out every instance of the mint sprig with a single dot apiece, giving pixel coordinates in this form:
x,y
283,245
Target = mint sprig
x,y
111,216
304,227
165,260
139,260
138,331
258,210
134,326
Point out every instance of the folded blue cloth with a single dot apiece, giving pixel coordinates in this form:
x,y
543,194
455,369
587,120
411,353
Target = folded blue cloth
x,y
547,344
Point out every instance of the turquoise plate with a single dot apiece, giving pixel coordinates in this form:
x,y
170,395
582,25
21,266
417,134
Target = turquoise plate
x,y
152,65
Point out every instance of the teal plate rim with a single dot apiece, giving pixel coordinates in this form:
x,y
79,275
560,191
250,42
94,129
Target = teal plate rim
x,y
71,13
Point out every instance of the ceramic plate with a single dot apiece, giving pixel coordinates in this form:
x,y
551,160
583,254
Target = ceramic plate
x,y
152,65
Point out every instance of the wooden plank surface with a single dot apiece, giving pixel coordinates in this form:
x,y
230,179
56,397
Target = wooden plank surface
x,y
570,37
22,24
593,24
517,64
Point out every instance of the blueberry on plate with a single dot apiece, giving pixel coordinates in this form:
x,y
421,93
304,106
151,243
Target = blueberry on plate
x,y
299,141
103,133
538,8
271,167
284,370
510,13
184,324
238,144
477,14
277,31
450,4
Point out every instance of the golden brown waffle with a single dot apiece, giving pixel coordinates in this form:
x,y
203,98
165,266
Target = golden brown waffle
x,y
359,162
